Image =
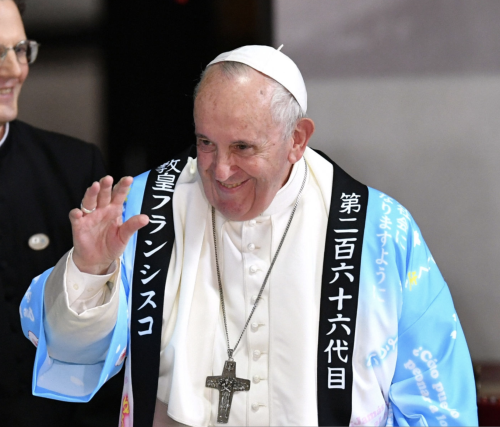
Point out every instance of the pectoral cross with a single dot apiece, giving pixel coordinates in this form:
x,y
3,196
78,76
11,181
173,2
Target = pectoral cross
x,y
227,384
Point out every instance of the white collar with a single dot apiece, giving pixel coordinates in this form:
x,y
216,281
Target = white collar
x,y
287,195
5,134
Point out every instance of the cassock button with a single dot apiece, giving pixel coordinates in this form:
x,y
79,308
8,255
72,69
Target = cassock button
x,y
38,242
256,379
254,298
256,354
252,223
255,326
253,269
255,406
251,246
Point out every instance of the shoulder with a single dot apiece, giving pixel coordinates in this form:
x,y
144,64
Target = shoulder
x,y
396,245
388,214
49,140
171,177
63,156
388,221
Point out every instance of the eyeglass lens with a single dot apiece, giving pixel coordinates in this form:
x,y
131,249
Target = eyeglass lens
x,y
26,51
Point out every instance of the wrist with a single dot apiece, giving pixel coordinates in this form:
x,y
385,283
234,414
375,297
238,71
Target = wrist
x,y
96,269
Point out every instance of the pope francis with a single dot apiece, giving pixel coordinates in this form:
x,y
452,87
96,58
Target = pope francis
x,y
250,281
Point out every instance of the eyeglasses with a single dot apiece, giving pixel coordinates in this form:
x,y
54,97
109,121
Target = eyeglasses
x,y
26,51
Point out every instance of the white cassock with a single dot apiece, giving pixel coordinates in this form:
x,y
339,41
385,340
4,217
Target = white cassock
x,y
278,352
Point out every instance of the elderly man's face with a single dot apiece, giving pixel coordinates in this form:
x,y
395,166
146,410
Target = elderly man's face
x,y
12,74
242,159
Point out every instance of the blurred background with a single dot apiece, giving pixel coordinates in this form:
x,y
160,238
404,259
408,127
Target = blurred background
x,y
405,95
121,73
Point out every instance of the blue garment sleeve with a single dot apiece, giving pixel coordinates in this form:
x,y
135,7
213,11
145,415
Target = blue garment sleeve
x,y
433,382
70,382
74,382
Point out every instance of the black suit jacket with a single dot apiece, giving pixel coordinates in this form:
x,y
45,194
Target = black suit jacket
x,y
43,175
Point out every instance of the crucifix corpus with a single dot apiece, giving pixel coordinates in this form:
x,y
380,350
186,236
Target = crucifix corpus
x,y
227,384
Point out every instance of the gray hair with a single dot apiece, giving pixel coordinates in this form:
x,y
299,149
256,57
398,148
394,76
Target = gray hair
x,y
285,110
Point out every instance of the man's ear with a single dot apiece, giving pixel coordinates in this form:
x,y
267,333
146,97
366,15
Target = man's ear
x,y
301,135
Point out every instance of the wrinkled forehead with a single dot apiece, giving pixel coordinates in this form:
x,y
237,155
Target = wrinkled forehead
x,y
245,89
235,108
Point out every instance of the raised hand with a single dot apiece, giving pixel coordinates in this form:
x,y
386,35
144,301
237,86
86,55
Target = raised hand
x,y
100,237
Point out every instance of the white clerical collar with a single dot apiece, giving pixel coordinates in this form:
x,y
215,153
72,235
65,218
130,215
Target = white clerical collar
x,y
4,138
287,195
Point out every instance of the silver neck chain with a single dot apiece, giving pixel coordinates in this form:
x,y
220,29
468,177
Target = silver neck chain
x,y
230,351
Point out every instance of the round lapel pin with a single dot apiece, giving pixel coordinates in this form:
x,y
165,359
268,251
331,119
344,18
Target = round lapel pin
x,y
38,242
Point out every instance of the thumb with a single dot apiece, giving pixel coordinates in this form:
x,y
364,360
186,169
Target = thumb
x,y
133,224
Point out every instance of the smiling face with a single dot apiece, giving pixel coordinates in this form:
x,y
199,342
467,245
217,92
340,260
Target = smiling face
x,y
12,74
242,158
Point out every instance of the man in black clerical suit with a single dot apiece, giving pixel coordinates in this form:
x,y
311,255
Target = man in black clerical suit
x,y
43,175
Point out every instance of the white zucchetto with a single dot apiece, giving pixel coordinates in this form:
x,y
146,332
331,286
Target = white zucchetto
x,y
273,63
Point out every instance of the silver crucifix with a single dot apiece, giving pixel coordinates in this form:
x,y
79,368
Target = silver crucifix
x,y
227,384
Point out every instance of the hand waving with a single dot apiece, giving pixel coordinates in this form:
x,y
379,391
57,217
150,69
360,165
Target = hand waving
x,y
100,237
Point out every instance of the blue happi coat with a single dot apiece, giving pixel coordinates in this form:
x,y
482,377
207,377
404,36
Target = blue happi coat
x,y
422,348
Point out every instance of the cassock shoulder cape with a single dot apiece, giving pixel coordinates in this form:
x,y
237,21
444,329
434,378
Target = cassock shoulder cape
x,y
405,344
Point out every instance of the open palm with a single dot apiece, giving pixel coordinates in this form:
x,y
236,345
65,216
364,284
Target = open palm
x,y
100,237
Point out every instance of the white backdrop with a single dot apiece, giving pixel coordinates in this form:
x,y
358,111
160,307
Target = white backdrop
x,y
406,98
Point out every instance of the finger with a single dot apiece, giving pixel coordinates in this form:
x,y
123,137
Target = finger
x,y
119,182
89,200
75,215
121,190
129,227
104,196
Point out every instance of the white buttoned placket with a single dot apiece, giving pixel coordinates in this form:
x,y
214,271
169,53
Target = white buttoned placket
x,y
248,248
256,263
